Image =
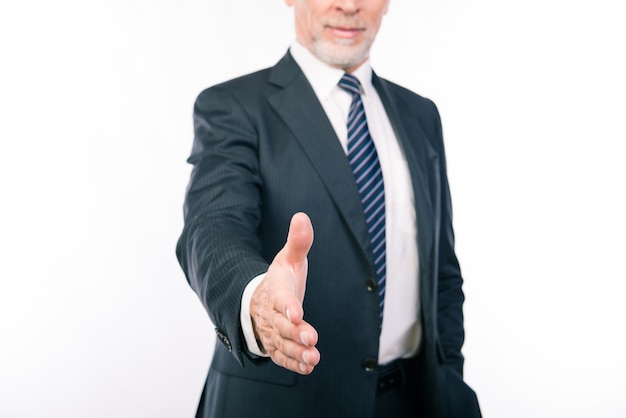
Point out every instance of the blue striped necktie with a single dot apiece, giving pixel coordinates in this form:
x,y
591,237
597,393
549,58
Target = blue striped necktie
x,y
363,159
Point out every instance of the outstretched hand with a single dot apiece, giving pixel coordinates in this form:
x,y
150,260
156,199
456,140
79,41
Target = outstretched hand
x,y
276,304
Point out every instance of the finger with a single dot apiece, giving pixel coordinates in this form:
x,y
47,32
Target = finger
x,y
290,363
298,352
293,312
276,328
286,300
303,334
295,342
299,239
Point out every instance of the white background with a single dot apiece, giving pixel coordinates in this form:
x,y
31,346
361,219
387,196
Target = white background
x,y
96,319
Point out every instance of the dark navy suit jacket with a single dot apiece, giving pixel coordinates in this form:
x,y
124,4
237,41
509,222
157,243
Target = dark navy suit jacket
x,y
264,150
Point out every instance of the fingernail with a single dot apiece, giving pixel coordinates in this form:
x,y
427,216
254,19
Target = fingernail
x,y
305,357
288,315
304,338
303,367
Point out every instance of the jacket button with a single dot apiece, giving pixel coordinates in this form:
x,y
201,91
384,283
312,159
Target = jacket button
x,y
371,286
224,339
369,364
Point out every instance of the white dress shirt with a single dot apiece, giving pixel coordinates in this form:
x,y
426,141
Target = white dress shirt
x,y
401,328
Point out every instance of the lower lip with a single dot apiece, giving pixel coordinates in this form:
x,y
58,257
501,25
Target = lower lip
x,y
345,33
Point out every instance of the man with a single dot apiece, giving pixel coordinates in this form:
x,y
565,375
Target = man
x,y
365,319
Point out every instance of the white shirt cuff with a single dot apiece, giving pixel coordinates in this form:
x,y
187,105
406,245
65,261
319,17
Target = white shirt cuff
x,y
246,320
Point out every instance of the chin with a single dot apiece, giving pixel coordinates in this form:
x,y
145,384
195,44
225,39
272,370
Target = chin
x,y
342,53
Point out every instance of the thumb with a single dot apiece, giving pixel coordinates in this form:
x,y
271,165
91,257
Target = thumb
x,y
299,239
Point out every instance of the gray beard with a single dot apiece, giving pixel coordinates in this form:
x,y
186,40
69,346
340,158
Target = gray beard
x,y
339,54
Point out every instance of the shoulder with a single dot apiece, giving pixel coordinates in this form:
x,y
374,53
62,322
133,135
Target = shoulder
x,y
241,88
258,85
402,95
410,106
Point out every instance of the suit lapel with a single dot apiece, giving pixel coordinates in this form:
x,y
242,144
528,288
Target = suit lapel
x,y
301,111
420,159
296,103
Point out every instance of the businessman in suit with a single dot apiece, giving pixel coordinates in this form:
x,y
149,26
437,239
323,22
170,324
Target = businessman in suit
x,y
318,235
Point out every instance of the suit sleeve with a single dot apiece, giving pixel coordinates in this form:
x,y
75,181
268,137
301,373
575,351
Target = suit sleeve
x,y
450,293
219,249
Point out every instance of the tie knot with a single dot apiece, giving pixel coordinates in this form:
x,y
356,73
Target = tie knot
x,y
350,84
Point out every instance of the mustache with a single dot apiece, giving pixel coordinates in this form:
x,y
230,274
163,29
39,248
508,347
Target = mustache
x,y
345,22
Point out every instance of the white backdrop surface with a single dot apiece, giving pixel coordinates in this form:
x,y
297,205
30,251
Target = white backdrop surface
x,y
96,319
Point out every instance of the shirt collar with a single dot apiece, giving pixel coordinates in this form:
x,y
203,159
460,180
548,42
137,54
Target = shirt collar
x,y
324,78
